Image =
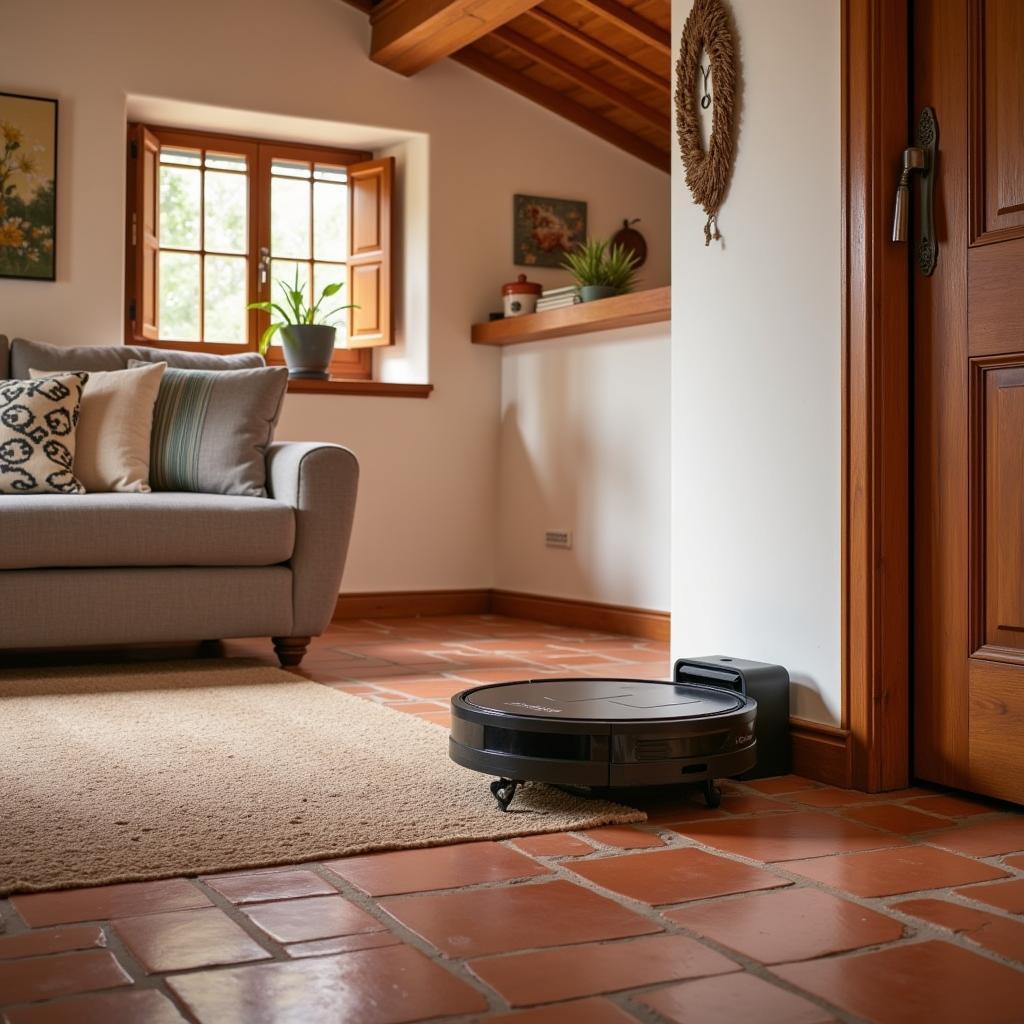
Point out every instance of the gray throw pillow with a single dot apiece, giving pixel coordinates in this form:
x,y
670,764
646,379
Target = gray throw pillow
x,y
35,355
211,429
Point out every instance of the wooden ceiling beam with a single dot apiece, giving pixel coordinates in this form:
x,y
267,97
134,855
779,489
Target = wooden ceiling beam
x,y
410,35
578,36
629,21
560,104
567,69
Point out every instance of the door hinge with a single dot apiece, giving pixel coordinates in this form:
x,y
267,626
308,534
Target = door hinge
x,y
131,311
133,148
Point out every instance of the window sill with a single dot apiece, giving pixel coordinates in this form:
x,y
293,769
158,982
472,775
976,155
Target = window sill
x,y
369,388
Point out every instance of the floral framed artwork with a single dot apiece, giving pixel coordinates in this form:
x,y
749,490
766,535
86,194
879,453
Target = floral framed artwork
x,y
28,187
546,229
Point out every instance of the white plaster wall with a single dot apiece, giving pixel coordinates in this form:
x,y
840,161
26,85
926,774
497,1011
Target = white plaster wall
x,y
585,447
428,501
756,368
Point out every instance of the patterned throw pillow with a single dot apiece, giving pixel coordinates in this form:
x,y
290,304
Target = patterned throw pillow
x,y
211,429
38,420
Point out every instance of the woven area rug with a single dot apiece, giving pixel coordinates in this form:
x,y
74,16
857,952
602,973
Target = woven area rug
x,y
128,772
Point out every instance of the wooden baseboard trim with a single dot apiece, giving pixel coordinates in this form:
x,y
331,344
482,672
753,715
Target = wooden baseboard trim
x,y
610,618
821,752
410,603
561,611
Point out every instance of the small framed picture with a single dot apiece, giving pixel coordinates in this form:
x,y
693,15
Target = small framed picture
x,y
28,187
546,229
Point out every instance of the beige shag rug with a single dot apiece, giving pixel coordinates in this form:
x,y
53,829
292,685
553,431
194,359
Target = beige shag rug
x,y
128,772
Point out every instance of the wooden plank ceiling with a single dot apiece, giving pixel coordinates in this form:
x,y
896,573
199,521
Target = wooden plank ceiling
x,y
601,64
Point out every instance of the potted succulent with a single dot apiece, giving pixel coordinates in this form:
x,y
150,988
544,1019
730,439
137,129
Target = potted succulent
x,y
307,336
601,270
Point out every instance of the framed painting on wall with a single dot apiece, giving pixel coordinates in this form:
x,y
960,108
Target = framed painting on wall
x,y
546,229
28,187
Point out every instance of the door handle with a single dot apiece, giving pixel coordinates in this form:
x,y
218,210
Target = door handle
x,y
921,158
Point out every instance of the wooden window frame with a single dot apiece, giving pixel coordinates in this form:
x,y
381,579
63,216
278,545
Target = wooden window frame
x,y
354,363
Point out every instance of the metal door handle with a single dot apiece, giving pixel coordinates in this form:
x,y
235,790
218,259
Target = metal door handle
x,y
921,158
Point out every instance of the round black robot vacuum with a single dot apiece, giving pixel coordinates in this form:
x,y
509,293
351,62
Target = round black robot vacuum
x,y
603,733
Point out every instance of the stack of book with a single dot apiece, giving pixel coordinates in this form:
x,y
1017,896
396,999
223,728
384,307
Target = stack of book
x,y
556,298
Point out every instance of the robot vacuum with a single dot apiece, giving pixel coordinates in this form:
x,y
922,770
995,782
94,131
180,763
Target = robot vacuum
x,y
603,733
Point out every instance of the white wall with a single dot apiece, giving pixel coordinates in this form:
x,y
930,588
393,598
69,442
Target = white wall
x,y
756,368
428,497
585,447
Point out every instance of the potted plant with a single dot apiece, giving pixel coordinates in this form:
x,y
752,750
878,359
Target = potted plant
x,y
307,337
601,270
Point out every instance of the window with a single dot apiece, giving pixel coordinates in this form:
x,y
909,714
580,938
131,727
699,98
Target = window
x,y
214,221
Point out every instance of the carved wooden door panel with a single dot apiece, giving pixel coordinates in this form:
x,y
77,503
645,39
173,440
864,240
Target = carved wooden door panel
x,y
968,409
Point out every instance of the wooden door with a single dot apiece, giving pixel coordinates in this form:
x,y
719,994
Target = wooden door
x,y
968,409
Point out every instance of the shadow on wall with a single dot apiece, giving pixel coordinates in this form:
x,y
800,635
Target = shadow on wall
x,y
805,694
567,461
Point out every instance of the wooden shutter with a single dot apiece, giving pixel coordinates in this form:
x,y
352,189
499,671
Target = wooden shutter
x,y
145,232
370,187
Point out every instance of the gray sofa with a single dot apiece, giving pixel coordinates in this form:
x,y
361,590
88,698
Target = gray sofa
x,y
163,567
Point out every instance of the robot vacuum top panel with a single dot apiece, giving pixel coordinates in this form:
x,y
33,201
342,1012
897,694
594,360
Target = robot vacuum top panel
x,y
604,700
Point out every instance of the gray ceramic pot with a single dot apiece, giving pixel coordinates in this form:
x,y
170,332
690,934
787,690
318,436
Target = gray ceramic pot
x,y
307,350
593,292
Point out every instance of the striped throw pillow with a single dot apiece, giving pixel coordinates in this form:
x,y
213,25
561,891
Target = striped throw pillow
x,y
211,429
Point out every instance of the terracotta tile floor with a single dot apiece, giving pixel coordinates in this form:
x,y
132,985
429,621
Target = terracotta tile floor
x,y
795,903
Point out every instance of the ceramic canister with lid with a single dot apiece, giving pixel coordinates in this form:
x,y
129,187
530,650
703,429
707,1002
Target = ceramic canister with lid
x,y
520,296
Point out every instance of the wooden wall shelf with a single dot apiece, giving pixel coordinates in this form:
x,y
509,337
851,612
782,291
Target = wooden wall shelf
x,y
646,307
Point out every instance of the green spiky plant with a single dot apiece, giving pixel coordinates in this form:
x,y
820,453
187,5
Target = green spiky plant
x,y
296,311
595,262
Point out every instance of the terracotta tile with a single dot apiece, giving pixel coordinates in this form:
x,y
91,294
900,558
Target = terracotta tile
x,y
795,924
277,884
1001,935
371,986
625,837
928,981
888,872
1015,862
746,803
582,1011
184,939
985,838
950,806
103,902
431,687
51,940
679,813
780,784
436,867
484,921
556,844
734,997
895,818
314,917
776,837
673,876
132,1006
828,796
1007,896
64,974
547,976
342,944
416,707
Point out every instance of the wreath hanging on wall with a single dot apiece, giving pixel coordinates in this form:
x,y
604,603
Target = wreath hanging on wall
x,y
707,172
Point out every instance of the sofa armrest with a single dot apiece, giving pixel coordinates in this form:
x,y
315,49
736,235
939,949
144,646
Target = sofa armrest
x,y
319,481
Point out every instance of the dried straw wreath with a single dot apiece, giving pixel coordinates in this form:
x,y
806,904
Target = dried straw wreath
x,y
707,173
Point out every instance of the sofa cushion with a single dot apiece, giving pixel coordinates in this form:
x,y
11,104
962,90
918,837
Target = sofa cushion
x,y
114,424
38,423
90,530
211,429
5,357
26,355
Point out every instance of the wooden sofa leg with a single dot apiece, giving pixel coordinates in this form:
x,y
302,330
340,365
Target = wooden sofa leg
x,y
290,650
